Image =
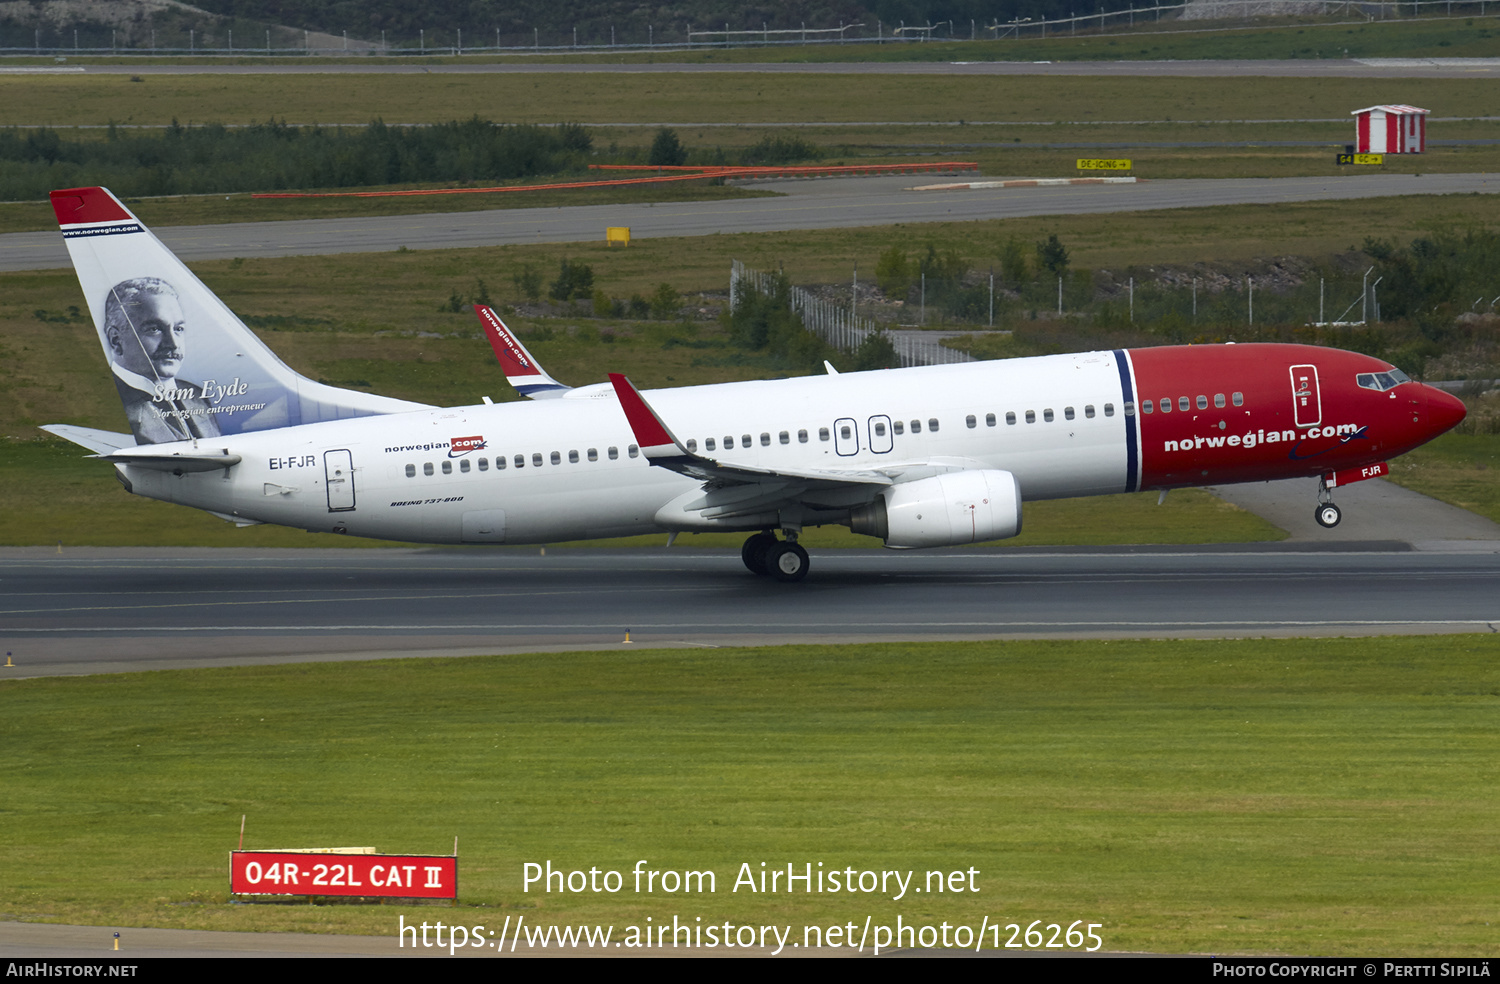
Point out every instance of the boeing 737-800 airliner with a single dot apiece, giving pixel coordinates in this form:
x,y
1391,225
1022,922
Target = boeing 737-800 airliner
x,y
918,457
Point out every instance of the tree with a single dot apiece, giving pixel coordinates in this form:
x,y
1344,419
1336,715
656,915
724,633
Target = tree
x,y
893,273
667,150
528,281
574,280
1052,256
875,352
1013,267
666,302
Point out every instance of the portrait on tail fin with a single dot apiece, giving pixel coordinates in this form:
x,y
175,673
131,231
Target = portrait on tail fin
x,y
147,335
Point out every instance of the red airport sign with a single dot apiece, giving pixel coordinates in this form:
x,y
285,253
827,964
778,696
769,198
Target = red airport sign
x,y
404,876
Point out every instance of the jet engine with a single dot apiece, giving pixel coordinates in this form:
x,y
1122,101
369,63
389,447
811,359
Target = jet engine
x,y
959,507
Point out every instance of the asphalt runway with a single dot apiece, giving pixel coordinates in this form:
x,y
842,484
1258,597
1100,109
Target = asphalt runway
x,y
1382,68
807,204
101,611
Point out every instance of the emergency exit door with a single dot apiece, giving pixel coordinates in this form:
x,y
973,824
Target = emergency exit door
x,y
338,476
1307,405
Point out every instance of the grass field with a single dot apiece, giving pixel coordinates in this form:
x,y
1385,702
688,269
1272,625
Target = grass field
x,y
1330,797
1463,469
680,99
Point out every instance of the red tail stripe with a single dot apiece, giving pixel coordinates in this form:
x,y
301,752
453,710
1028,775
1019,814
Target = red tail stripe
x,y
82,205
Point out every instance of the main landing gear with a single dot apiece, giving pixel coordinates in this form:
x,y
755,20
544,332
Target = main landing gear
x,y
784,560
1327,514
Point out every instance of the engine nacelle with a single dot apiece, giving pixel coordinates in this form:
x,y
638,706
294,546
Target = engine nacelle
x,y
959,507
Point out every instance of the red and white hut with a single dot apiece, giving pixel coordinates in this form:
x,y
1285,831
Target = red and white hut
x,y
1391,130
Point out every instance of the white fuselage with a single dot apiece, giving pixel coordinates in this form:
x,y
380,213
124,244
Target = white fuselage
x,y
571,470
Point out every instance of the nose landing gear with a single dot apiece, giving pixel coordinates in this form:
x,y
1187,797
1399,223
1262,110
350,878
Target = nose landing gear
x,y
1327,514
784,560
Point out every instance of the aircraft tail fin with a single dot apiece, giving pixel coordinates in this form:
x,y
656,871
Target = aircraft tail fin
x,y
522,370
185,366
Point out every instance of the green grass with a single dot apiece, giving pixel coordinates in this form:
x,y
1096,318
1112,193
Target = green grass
x,y
1332,797
1463,469
679,98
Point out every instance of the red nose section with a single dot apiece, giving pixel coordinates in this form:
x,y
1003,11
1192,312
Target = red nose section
x,y
1444,410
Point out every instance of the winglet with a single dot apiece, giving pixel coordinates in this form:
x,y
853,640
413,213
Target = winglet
x,y
521,369
651,434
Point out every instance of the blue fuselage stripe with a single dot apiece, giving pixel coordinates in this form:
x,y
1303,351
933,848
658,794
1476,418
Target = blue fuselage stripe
x,y
1132,453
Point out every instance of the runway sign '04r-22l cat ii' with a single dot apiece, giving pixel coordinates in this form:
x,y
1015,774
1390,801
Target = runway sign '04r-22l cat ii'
x,y
919,457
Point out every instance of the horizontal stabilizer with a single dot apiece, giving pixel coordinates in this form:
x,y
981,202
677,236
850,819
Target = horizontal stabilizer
x,y
97,441
164,459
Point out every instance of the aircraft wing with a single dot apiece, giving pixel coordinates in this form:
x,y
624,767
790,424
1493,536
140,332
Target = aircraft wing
x,y
662,448
521,369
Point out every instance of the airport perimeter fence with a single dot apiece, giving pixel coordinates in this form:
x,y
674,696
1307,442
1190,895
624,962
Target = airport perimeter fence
x,y
93,39
838,326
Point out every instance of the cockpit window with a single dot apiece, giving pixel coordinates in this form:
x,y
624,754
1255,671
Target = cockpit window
x,y
1382,381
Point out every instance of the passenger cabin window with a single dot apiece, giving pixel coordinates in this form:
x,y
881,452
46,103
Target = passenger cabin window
x,y
614,454
1219,400
1031,416
784,437
709,445
765,439
745,440
971,421
728,442
426,468
1088,411
989,420
1182,403
932,424
556,458
1148,406
880,428
802,436
463,466
1166,405
845,432
484,464
536,461
916,427
500,463
898,427
411,471
692,444
520,461
1239,399
593,454
573,457
1047,415
1202,403
822,433
447,468
1010,416
1067,413
633,450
